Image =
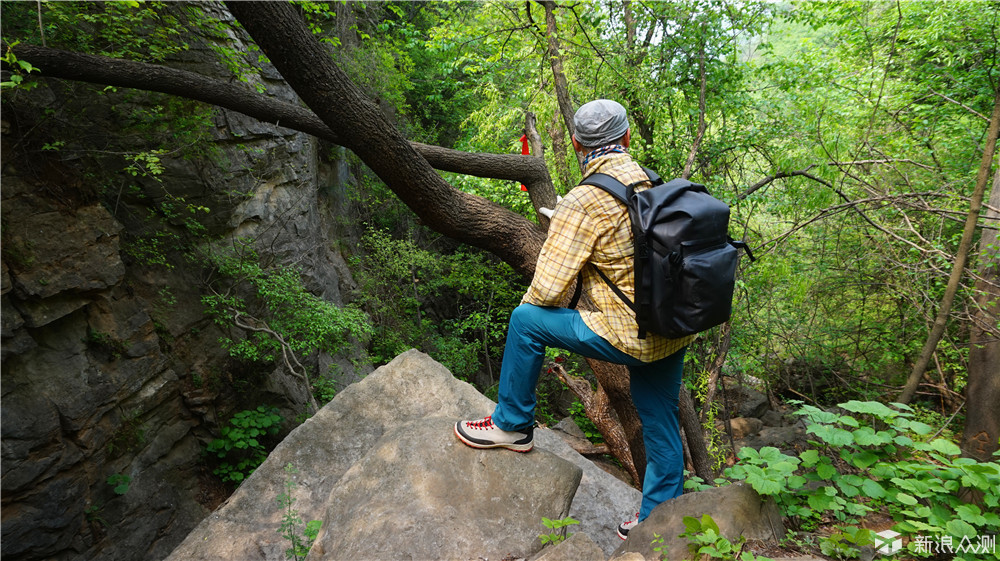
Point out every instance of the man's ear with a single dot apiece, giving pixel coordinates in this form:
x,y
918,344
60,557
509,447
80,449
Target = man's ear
x,y
576,144
627,139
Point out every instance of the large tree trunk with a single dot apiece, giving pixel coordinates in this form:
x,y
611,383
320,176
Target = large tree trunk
x,y
982,392
937,330
555,60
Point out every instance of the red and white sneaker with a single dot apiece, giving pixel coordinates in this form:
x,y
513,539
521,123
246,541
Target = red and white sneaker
x,y
624,527
482,433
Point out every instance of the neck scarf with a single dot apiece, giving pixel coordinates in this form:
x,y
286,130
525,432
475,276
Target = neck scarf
x,y
603,151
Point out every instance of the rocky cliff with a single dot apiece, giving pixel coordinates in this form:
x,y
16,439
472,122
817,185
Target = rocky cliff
x,y
113,377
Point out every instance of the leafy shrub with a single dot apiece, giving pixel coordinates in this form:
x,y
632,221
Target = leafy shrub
x,y
558,528
705,541
454,306
892,462
241,445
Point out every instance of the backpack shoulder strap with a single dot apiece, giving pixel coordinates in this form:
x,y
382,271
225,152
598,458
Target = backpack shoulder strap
x,y
624,193
616,188
653,176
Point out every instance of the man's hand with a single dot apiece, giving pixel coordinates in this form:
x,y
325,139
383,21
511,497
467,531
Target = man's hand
x,y
547,212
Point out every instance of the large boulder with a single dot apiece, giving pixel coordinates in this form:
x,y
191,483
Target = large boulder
x,y
577,547
737,509
380,467
419,493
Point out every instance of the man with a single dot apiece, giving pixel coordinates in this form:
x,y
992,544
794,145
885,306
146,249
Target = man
x,y
590,229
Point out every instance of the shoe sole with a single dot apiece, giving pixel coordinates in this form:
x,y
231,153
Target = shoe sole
x,y
623,537
522,448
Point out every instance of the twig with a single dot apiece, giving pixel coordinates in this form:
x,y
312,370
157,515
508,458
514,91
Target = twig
x,y
701,115
286,353
948,422
969,109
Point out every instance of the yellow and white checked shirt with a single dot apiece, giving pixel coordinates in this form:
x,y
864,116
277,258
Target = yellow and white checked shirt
x,y
590,225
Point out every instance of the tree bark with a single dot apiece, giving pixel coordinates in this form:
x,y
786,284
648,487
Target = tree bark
x,y
541,198
695,437
937,330
635,53
597,405
557,134
982,391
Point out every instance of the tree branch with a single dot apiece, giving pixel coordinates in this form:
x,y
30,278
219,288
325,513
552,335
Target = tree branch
x,y
123,73
286,352
598,409
780,175
966,107
555,61
701,114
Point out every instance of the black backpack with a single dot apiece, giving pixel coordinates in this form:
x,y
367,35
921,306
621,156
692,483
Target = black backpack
x,y
685,261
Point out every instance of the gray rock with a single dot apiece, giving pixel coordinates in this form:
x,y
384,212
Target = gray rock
x,y
324,448
419,493
772,418
383,450
791,437
744,401
602,501
737,509
577,547
631,556
742,427
64,252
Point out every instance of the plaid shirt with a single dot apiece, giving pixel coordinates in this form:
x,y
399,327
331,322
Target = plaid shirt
x,y
590,225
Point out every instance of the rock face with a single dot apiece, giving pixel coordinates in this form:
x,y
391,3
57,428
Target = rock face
x,y
380,467
421,493
111,369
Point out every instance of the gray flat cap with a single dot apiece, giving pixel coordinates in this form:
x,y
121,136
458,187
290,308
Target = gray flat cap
x,y
600,122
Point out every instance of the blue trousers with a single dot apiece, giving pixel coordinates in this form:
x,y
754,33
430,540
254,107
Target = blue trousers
x,y
654,387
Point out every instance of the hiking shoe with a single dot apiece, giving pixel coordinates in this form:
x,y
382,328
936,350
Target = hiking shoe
x,y
624,527
482,433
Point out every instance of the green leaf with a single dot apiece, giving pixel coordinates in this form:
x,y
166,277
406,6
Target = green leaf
x,y
960,528
820,502
809,457
906,499
796,482
873,489
869,408
970,513
826,471
692,524
864,459
945,447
